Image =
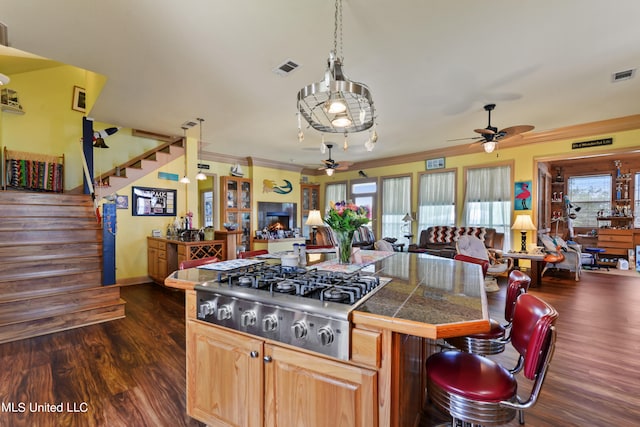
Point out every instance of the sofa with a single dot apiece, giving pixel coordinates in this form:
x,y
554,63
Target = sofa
x,y
440,240
363,237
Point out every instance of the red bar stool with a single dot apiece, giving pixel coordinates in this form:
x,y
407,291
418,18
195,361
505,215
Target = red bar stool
x,y
474,389
495,340
250,254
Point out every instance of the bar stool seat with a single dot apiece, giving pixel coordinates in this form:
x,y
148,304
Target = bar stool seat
x,y
456,373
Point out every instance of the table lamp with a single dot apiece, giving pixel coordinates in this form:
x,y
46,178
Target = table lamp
x,y
523,223
314,220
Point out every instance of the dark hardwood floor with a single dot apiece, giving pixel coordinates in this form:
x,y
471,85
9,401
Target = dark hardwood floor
x,y
131,372
594,377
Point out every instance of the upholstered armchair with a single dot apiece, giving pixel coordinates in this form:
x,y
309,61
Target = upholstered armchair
x,y
572,254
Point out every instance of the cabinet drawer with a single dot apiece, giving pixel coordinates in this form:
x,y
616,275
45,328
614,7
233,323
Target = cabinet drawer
x,y
162,254
152,243
365,347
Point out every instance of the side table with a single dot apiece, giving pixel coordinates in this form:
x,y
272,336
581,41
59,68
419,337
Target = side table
x,y
537,264
595,252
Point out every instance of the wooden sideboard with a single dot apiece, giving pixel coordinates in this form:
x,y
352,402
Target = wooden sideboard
x,y
165,255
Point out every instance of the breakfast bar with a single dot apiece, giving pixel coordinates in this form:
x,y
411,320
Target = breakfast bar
x,y
380,382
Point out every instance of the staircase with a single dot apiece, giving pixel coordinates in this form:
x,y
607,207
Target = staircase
x,y
51,265
116,179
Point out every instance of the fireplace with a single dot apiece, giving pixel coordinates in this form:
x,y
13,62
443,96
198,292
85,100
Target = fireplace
x,y
279,219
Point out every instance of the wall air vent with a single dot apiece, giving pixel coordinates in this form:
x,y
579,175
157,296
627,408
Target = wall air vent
x,y
286,68
623,75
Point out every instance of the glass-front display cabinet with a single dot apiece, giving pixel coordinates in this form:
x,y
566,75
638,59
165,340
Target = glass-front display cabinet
x,y
236,208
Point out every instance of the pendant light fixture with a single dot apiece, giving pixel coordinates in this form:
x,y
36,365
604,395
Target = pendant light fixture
x,y
200,176
336,104
185,179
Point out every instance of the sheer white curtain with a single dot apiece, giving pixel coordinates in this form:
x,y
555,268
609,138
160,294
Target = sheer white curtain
x,y
437,199
396,203
334,193
488,200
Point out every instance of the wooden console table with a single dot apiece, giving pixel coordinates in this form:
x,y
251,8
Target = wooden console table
x,y
165,255
537,265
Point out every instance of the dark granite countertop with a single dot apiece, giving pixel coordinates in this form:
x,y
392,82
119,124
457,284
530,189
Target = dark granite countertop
x,y
428,296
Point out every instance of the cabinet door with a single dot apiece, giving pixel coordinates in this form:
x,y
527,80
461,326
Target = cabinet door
x,y
304,390
224,377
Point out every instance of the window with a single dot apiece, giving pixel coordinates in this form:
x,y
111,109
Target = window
x,y
396,203
437,199
365,193
591,193
488,199
334,193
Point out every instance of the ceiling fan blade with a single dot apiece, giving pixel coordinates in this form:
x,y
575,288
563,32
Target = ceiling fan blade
x,y
465,139
484,131
515,130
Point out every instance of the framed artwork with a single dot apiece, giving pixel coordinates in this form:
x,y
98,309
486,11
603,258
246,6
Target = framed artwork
x,y
522,193
79,102
122,202
146,201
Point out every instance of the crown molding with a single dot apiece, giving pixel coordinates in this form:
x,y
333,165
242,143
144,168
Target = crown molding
x,y
255,161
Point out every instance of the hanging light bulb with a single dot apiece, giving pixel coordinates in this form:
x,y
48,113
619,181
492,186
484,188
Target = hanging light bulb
x,y
335,104
368,145
200,176
185,179
329,171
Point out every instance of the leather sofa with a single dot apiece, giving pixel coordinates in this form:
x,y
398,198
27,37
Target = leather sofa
x,y
440,240
363,237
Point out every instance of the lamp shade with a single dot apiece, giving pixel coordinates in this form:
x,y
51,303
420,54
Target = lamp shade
x,y
489,146
523,222
314,218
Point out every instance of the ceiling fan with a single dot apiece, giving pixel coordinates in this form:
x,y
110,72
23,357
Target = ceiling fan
x,y
490,135
331,165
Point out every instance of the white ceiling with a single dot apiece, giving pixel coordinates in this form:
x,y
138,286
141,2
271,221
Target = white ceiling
x,y
431,65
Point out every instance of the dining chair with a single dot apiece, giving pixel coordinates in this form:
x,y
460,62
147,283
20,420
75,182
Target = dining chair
x,y
477,390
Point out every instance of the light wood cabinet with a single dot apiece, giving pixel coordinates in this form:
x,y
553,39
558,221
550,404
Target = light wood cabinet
x,y
236,380
236,203
616,243
165,255
156,260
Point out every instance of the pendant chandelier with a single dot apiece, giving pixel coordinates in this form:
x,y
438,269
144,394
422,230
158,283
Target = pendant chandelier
x,y
336,104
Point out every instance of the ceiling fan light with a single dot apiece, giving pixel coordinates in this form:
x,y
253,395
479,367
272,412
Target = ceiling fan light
x,y
329,171
489,146
341,120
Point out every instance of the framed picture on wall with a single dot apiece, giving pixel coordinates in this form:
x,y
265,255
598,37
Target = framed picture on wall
x,y
147,201
522,193
79,102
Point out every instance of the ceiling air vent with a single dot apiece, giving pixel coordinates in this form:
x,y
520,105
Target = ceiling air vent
x,y
286,68
623,75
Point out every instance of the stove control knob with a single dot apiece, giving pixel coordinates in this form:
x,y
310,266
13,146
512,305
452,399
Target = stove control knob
x,y
325,335
299,329
206,308
248,318
270,323
224,312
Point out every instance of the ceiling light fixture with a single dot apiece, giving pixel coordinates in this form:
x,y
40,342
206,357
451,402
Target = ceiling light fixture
x,y
200,176
489,146
185,179
329,171
336,104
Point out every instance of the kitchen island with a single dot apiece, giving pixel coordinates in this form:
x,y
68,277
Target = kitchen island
x,y
234,378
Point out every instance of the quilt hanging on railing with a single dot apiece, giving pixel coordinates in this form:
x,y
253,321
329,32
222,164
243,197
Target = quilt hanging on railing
x,y
35,175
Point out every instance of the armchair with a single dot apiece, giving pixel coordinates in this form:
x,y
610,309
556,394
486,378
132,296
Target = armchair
x,y
572,255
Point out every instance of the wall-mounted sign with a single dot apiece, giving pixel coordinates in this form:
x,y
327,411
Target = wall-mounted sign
x,y
168,176
593,143
153,201
203,166
435,163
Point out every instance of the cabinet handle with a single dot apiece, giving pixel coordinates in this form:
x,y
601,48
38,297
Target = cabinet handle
x,y
267,359
254,354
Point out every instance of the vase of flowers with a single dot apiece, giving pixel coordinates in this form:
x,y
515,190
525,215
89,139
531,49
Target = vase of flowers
x,y
344,218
